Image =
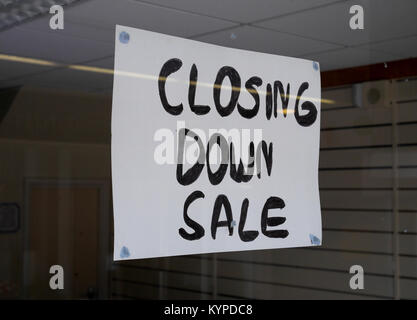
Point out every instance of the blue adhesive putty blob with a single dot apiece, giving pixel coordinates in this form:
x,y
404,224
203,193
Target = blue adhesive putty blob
x,y
124,37
314,239
124,253
315,65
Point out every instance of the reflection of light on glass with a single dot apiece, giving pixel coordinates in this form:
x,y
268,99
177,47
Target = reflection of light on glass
x,y
90,69
27,60
289,111
119,72
143,76
328,101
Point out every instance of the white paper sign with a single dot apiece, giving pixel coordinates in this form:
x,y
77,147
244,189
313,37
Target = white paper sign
x,y
258,115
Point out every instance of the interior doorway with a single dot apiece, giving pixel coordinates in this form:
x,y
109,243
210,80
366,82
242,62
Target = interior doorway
x,y
66,224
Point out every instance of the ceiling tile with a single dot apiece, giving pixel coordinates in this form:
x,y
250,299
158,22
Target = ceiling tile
x,y
88,36
383,19
242,10
404,47
73,29
349,57
261,40
105,14
52,46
